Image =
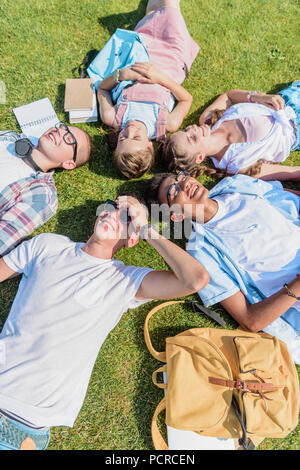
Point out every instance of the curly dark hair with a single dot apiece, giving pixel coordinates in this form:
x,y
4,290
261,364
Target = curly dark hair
x,y
152,188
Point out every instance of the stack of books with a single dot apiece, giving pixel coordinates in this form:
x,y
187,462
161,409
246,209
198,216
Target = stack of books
x,y
80,100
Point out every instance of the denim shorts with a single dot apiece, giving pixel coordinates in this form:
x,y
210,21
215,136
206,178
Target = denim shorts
x,y
13,433
291,96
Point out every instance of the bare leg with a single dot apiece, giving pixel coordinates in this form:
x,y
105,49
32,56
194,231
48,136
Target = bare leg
x,y
155,4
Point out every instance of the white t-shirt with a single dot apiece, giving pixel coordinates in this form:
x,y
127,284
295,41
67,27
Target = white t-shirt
x,y
275,146
265,243
66,305
12,168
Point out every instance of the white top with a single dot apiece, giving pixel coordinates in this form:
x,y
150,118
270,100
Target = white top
x,y
146,113
265,243
12,168
274,147
257,127
66,305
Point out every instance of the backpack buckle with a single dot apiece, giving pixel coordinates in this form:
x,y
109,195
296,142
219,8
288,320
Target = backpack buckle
x,y
241,385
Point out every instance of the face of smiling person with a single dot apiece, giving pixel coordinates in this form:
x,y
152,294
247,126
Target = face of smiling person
x,y
191,142
192,196
133,138
108,226
54,147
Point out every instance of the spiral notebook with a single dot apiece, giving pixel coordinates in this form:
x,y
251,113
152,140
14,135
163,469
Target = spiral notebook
x,y
36,118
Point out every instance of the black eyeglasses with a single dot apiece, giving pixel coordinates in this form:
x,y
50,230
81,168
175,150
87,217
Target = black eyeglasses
x,y
175,188
111,206
68,137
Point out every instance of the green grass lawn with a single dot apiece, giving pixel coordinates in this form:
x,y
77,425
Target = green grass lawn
x,y
250,45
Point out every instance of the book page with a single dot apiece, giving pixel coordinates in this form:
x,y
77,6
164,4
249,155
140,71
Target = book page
x,y
36,118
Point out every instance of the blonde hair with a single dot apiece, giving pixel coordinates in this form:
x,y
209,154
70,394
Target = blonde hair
x,y
175,162
131,165
134,165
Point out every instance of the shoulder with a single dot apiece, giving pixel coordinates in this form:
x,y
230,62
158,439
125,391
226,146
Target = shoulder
x,y
53,238
51,242
39,247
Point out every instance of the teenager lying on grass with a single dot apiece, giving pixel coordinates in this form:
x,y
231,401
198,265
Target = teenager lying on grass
x,y
241,132
70,297
146,110
28,196
246,232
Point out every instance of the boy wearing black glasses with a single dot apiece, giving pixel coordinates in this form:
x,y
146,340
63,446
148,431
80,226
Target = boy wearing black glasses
x,y
246,232
28,197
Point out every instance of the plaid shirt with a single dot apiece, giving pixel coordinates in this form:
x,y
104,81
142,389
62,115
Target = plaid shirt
x,y
25,205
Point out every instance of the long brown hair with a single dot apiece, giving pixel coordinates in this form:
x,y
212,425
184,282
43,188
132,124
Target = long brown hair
x,y
175,162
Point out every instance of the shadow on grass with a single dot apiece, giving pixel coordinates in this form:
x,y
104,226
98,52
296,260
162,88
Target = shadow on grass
x,y
82,221
60,101
147,395
123,20
101,161
278,87
8,291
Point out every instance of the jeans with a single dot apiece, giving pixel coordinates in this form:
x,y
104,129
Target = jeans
x,y
291,96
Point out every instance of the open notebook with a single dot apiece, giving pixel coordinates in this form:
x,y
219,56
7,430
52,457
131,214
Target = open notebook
x,y
36,118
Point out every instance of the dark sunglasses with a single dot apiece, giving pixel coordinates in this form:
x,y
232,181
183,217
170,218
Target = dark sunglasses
x,y
68,137
111,206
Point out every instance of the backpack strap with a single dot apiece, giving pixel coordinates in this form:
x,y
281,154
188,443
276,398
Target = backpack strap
x,y
160,356
158,440
154,377
243,385
119,116
161,124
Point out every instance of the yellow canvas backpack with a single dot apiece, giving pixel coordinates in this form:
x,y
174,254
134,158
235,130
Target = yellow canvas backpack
x,y
226,384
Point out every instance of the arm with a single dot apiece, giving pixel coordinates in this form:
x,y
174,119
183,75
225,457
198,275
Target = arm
x,y
150,74
106,108
187,275
6,272
127,74
231,97
293,191
255,317
279,172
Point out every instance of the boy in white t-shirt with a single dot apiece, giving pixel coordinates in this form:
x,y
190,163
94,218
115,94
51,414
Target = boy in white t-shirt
x,y
70,297
28,197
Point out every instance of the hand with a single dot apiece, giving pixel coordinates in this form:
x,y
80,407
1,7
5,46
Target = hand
x,y
128,74
137,211
205,116
148,72
272,101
